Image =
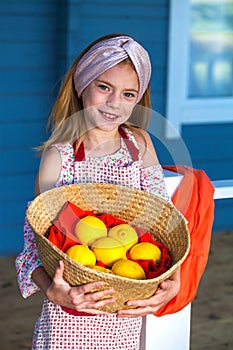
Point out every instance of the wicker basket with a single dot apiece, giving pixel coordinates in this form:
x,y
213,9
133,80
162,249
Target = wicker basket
x,y
151,213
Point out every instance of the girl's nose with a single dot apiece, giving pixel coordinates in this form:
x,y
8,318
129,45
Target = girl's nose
x,y
113,99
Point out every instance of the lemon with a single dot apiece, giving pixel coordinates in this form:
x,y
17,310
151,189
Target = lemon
x,y
100,268
128,268
125,234
108,250
90,228
145,251
81,254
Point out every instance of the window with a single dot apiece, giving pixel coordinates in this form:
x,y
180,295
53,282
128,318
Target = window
x,y
200,73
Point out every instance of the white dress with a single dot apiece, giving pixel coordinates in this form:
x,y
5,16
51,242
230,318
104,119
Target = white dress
x,y
55,328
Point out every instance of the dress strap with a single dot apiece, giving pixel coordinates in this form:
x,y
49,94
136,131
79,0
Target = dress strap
x,y
134,151
79,154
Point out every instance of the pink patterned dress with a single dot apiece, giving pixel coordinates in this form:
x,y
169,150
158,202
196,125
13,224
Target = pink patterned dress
x,y
56,329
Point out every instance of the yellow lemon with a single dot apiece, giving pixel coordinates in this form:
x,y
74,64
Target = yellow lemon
x,y
90,228
108,250
100,268
125,234
128,268
81,254
145,251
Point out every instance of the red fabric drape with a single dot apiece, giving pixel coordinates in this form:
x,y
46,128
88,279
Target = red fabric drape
x,y
194,199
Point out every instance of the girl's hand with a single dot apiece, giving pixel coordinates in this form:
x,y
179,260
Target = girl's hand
x,y
167,290
79,298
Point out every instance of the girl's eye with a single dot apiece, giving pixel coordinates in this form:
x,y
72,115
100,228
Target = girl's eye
x,y
129,95
103,87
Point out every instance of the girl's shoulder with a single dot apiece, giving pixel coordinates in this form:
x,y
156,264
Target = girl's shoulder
x,y
140,136
144,144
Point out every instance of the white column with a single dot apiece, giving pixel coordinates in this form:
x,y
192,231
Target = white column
x,y
167,332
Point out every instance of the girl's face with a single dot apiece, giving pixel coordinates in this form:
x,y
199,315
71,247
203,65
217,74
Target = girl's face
x,y
109,100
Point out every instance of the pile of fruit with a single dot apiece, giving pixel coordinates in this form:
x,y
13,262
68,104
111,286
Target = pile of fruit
x,y
116,250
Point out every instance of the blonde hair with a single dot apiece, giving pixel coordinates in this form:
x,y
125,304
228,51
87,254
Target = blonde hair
x,y
68,105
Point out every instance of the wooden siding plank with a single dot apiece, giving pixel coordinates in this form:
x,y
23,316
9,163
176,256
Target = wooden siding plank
x,y
157,100
216,169
158,83
19,186
116,25
210,147
208,131
13,216
18,161
121,3
122,10
27,80
29,27
25,107
27,55
29,7
22,135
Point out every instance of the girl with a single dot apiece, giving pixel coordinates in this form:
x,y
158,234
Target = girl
x,y
94,141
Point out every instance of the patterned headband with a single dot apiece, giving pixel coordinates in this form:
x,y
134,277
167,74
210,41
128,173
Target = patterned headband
x,y
108,53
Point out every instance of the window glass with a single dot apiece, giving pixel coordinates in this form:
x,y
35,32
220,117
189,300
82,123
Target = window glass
x,y
211,49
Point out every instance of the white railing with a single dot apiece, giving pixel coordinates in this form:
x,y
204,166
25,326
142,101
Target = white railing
x,y
173,331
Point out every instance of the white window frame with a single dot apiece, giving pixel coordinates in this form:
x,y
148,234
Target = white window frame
x,y
180,109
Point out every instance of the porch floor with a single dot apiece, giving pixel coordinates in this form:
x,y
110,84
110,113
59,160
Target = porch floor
x,y
212,309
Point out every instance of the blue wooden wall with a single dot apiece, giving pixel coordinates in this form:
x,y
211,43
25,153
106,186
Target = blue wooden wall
x,y
30,60
38,41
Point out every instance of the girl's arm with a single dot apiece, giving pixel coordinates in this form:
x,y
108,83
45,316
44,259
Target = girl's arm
x,y
28,261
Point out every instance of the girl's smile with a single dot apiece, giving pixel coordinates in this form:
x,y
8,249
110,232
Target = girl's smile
x,y
109,116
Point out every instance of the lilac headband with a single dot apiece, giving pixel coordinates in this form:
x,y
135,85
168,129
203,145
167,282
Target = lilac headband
x,y
108,53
